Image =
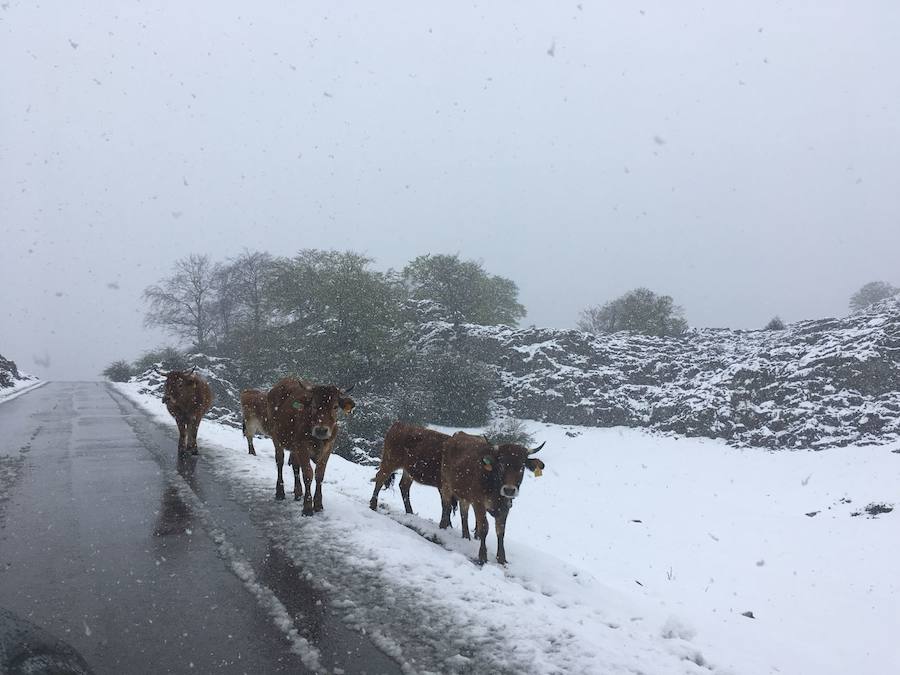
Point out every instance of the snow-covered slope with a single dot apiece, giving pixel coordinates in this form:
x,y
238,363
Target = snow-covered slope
x,y
13,382
633,553
823,383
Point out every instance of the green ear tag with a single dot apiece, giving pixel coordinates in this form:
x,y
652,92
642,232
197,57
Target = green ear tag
x,y
297,405
487,461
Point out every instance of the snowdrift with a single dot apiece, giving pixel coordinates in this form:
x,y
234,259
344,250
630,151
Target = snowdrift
x,y
14,382
634,552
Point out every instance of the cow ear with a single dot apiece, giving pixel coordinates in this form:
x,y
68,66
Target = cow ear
x,y
535,465
347,404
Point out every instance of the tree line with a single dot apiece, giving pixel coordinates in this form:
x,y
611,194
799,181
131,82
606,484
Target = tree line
x,y
331,316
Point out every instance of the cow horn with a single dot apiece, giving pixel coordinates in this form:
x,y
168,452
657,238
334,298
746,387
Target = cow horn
x,y
531,452
349,389
488,440
191,371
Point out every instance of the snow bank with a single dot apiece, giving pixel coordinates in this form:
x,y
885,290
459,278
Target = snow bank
x,y
13,382
632,553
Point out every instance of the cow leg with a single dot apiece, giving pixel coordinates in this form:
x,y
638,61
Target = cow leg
x,y
481,530
405,483
306,467
297,485
296,465
380,477
320,478
446,503
500,523
181,433
193,428
279,461
248,434
464,518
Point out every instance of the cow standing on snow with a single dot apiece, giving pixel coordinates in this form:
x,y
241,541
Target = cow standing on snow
x,y
187,397
417,451
302,418
487,477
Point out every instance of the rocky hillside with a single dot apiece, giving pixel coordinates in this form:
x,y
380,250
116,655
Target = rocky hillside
x,y
11,378
815,384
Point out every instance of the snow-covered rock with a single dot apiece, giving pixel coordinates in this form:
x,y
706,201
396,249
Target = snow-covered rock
x,y
815,384
226,407
12,380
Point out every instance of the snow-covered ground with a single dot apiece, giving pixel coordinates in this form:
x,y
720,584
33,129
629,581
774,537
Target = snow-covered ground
x,y
19,387
633,553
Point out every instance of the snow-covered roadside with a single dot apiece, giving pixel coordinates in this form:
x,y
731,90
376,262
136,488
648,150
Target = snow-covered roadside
x,y
722,532
20,387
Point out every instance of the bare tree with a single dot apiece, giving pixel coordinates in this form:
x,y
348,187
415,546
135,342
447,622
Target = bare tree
x,y
226,304
253,274
184,303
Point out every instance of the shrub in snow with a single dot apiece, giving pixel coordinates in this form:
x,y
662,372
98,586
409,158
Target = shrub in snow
x,y
459,389
164,358
118,371
509,430
775,323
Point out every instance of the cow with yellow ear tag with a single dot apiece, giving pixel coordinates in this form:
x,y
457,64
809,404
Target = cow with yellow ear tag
x,y
487,477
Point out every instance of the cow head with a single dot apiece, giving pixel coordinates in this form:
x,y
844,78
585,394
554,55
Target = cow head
x,y
179,386
505,466
321,405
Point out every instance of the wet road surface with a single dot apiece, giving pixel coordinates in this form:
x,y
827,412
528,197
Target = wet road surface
x,y
141,561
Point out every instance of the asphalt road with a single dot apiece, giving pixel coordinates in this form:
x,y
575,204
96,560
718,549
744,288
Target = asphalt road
x,y
139,560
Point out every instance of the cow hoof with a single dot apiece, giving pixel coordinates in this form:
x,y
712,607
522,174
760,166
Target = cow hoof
x,y
466,536
195,451
252,453
373,506
297,498
318,508
307,512
279,496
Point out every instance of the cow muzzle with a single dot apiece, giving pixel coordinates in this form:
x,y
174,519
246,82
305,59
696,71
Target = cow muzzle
x,y
509,491
321,433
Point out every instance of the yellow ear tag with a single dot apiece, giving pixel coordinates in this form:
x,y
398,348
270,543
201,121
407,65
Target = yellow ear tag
x,y
537,472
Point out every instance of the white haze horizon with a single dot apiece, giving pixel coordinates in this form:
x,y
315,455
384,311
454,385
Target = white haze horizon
x,y
742,159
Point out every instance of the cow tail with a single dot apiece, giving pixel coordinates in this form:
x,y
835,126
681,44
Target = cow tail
x,y
454,503
389,480
244,427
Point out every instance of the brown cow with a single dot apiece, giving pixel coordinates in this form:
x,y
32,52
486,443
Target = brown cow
x,y
187,397
303,420
417,451
255,410
487,477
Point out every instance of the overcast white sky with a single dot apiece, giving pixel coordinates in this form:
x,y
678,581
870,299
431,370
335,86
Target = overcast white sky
x,y
741,157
